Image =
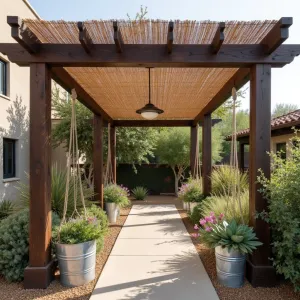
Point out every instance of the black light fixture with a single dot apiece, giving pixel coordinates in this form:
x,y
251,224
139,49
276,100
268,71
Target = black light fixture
x,y
149,111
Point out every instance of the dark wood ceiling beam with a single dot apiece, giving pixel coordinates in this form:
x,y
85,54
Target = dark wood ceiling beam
x,y
218,38
63,78
85,38
237,80
183,56
118,37
23,35
170,37
277,35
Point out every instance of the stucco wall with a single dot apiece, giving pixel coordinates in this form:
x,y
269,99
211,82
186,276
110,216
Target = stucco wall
x,y
282,139
14,119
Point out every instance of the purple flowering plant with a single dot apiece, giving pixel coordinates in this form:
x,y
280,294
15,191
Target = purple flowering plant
x,y
118,194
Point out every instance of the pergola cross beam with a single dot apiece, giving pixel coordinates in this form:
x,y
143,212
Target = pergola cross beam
x,y
218,38
170,37
118,37
84,37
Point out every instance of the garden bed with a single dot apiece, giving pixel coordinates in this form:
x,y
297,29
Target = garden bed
x,y
284,291
56,290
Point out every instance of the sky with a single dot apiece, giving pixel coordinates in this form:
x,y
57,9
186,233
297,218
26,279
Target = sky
x,y
285,81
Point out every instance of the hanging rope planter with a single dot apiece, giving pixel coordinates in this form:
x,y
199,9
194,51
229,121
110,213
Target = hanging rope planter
x,y
109,177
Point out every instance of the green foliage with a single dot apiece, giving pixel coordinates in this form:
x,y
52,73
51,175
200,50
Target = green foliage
x,y
139,193
14,244
114,193
196,214
229,206
134,145
58,190
283,193
232,236
6,208
225,179
191,191
283,108
97,212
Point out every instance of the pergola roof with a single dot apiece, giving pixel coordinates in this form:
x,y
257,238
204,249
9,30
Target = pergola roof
x,y
181,83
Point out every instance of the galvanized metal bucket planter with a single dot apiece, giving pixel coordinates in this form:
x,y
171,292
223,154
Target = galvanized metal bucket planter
x,y
186,205
112,211
230,267
76,263
192,206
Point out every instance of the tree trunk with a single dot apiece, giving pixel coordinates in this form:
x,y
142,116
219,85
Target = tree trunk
x,y
176,181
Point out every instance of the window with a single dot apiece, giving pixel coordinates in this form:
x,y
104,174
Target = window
x,y
9,158
281,150
3,77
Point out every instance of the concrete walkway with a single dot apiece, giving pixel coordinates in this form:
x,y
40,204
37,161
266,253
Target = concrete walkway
x,y
154,258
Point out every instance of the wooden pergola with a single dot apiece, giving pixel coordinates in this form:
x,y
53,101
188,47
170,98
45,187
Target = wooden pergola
x,y
196,64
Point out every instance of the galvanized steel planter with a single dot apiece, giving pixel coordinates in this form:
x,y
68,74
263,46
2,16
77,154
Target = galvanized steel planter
x,y
192,206
186,205
76,263
112,211
230,267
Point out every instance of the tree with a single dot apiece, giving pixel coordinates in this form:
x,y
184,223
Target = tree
x,y
134,145
140,15
173,149
283,108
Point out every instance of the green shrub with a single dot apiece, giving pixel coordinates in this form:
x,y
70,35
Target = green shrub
x,y
228,205
114,193
191,191
283,194
58,190
6,209
14,244
196,214
225,178
139,193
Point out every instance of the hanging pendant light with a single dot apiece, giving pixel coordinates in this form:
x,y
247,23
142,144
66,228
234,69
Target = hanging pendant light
x,y
149,111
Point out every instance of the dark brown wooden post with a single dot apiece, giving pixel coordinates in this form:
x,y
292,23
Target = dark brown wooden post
x,y
259,269
98,159
39,273
206,154
113,141
242,156
193,150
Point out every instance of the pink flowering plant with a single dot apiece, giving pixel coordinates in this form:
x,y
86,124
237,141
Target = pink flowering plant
x,y
191,191
214,231
118,194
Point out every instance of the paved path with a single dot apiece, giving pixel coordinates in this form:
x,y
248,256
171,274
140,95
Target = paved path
x,y
154,259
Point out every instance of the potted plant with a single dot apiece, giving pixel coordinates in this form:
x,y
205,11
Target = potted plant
x,y
139,193
115,196
232,242
76,244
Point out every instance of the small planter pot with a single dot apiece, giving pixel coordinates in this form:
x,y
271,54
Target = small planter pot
x,y
76,263
230,267
112,211
186,205
192,206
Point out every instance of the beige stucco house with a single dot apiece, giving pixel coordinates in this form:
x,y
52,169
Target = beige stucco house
x,y
14,103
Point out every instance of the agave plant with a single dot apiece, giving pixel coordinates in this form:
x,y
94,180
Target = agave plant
x,y
216,232
6,209
139,193
58,190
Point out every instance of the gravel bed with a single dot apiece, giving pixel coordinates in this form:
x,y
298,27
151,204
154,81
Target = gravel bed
x,y
284,291
56,290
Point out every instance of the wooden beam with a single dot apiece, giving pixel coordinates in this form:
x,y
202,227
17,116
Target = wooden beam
x,y
277,35
98,159
152,123
213,122
237,80
218,38
194,148
62,77
85,38
206,154
39,272
113,149
26,38
170,37
118,37
259,267
183,56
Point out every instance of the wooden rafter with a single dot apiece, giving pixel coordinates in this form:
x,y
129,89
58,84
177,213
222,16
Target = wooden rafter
x,y
183,56
218,38
170,37
237,80
63,78
84,37
277,35
23,35
118,37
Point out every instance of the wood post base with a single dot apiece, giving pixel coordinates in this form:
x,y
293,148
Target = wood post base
x,y
39,277
261,276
